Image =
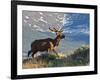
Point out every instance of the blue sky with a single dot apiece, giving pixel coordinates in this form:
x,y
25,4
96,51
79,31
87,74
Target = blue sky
x,y
76,26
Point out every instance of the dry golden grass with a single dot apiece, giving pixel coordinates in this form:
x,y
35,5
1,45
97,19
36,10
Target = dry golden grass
x,y
39,62
80,57
30,65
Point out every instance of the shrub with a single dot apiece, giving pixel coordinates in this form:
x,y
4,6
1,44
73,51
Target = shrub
x,y
79,57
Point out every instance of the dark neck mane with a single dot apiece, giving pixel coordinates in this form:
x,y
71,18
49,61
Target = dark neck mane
x,y
56,41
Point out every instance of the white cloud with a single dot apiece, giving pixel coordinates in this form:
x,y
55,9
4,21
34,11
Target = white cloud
x,y
67,32
35,26
77,31
41,13
41,19
59,17
85,31
67,20
29,24
25,21
27,17
38,28
36,20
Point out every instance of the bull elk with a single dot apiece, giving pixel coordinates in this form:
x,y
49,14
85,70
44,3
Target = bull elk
x,y
47,44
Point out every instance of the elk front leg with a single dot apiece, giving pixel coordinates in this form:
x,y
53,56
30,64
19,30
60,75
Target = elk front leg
x,y
55,52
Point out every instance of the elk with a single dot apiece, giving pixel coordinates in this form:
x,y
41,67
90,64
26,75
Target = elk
x,y
47,44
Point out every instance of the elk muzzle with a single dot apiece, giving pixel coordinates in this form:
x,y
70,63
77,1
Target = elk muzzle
x,y
63,36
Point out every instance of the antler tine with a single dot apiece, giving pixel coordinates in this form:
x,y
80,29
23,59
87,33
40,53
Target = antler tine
x,y
61,29
55,29
52,29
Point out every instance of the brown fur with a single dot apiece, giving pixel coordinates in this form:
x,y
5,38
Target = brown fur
x,y
47,44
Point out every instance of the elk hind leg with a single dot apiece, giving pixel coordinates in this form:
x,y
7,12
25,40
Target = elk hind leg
x,y
34,52
29,52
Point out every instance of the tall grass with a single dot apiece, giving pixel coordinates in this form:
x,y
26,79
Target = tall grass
x,y
80,57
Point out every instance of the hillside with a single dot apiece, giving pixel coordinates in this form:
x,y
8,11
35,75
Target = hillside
x,y
80,57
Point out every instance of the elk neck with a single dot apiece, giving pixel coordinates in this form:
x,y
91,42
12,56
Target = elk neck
x,y
56,41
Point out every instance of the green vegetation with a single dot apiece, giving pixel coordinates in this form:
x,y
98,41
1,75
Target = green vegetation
x,y
80,57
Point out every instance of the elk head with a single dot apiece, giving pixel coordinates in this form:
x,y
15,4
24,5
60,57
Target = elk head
x,y
58,32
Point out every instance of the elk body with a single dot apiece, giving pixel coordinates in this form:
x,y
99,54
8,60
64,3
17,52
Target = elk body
x,y
47,44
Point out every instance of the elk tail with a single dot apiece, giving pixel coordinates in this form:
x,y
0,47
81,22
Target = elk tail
x,y
29,52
